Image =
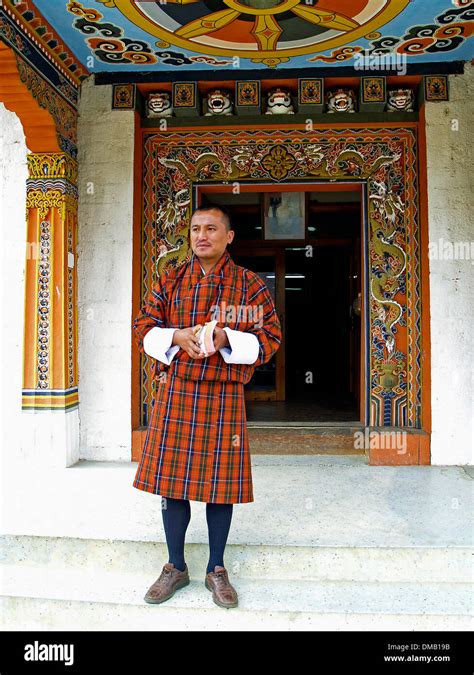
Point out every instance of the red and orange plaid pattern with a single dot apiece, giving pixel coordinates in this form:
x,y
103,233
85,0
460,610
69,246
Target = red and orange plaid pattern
x,y
196,445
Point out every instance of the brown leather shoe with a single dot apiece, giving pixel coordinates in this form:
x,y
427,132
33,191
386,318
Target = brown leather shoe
x,y
223,593
167,583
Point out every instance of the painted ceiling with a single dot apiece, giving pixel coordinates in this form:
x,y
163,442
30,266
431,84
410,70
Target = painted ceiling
x,y
137,35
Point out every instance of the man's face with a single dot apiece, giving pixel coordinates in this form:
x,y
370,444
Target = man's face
x,y
209,235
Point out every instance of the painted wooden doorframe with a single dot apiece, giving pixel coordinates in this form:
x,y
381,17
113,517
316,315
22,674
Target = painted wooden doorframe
x,y
384,158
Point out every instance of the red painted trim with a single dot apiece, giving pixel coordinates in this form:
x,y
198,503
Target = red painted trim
x,y
136,273
320,186
274,127
425,275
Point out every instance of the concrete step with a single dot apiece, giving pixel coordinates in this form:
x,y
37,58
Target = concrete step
x,y
401,564
44,598
304,500
330,543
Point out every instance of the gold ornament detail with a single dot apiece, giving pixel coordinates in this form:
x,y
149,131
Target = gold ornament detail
x,y
271,62
51,199
278,162
373,36
52,165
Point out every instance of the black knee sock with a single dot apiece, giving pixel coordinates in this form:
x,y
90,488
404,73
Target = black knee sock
x,y
176,516
219,517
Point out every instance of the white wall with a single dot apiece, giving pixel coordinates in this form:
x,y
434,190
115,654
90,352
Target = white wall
x,y
13,175
451,280
106,146
39,440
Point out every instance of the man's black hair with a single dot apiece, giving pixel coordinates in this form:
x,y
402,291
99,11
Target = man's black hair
x,y
216,207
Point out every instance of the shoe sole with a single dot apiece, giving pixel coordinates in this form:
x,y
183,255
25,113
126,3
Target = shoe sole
x,y
181,584
221,604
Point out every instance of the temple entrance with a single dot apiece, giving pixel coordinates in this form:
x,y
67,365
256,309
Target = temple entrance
x,y
310,259
355,205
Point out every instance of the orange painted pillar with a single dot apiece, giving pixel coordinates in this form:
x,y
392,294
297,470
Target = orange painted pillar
x,y
50,375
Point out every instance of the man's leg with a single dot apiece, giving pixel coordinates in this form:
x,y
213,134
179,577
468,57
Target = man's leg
x,y
219,517
176,516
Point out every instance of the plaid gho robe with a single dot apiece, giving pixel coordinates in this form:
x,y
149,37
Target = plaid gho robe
x,y
196,445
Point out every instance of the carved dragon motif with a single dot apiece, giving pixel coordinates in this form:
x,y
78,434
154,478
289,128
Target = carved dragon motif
x,y
389,258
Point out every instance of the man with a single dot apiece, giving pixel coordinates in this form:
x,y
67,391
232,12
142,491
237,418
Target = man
x,y
196,446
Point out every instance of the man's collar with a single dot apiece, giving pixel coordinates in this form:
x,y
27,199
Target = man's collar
x,y
215,269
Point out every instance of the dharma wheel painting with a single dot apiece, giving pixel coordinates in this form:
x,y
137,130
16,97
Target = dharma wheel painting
x,y
268,31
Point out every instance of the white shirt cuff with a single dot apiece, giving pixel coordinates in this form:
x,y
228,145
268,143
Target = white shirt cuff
x,y
244,347
157,343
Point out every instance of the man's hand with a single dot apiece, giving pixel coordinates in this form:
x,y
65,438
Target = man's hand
x,y
187,340
220,338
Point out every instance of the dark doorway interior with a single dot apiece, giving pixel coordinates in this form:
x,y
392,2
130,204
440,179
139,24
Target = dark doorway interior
x,y
316,285
318,332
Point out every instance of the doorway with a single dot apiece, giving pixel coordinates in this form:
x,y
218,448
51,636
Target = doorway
x,y
315,279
